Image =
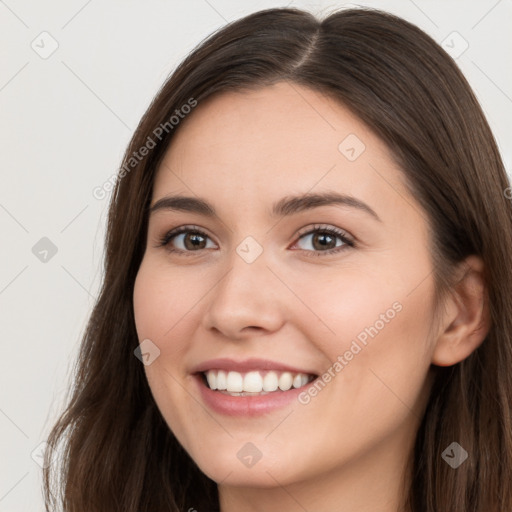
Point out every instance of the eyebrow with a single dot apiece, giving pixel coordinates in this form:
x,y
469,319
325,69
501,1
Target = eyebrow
x,y
284,207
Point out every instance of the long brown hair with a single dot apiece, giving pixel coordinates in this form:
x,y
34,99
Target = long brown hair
x,y
117,451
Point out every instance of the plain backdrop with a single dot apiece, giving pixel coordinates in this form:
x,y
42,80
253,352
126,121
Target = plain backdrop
x,y
75,78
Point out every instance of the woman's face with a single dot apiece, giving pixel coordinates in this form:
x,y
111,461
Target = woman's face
x,y
264,296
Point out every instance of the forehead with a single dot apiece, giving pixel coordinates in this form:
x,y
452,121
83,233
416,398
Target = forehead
x,y
245,149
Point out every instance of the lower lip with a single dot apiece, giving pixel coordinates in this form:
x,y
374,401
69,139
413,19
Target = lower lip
x,y
246,405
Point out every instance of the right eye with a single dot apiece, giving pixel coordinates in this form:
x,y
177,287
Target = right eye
x,y
187,238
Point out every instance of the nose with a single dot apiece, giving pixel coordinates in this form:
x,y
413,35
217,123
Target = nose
x,y
247,300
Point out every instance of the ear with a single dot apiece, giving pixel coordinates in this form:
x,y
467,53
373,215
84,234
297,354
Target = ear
x,y
466,320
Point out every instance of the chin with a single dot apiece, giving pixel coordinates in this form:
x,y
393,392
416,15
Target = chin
x,y
244,465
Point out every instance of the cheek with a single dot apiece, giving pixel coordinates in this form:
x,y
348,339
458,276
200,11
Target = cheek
x,y
345,306
162,299
374,331
160,316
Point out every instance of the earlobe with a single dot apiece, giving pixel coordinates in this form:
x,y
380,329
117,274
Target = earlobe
x,y
467,316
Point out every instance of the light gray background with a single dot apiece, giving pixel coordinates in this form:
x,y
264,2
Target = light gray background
x,y
65,122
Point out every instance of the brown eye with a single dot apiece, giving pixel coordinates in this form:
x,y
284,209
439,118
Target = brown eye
x,y
193,241
324,240
186,240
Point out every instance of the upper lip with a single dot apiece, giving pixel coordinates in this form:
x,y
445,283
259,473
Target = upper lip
x,y
247,365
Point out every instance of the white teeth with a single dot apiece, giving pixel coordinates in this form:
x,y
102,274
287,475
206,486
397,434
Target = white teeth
x,y
235,382
221,380
270,381
212,380
285,381
254,381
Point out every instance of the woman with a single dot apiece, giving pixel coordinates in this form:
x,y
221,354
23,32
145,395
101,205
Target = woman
x,y
306,302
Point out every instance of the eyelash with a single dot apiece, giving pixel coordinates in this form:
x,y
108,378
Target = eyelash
x,y
342,235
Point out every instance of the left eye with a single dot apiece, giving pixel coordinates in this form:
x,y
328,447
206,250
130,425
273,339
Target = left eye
x,y
325,240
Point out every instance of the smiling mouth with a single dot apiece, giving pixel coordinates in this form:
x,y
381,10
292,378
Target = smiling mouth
x,y
254,383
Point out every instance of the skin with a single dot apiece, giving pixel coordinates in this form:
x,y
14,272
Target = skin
x,y
347,448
